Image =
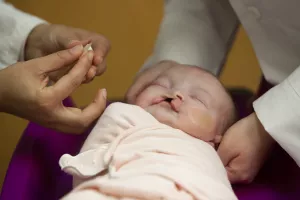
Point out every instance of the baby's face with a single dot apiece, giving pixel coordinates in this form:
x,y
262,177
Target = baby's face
x,y
189,99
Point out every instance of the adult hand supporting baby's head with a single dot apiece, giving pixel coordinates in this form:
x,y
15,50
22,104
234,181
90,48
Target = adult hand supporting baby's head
x,y
184,97
244,148
145,78
46,39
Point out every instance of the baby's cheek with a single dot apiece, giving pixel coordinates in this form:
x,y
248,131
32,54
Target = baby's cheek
x,y
202,124
200,117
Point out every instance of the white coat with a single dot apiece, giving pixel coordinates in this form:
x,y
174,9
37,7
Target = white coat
x,y
199,32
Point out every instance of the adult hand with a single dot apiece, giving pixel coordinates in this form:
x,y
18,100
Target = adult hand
x,y
145,78
46,39
24,91
244,149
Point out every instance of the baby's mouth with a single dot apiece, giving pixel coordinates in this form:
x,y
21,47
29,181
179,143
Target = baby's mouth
x,y
167,103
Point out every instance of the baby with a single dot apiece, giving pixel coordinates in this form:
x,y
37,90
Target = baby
x,y
161,148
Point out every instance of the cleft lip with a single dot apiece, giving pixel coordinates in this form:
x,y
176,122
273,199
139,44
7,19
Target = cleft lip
x,y
158,100
172,103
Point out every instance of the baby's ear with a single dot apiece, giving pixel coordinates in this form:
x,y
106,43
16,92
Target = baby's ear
x,y
217,140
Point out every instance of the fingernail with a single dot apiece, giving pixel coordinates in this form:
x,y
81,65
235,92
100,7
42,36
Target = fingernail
x,y
90,55
104,93
73,41
77,49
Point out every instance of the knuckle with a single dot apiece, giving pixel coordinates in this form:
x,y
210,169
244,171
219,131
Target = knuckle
x,y
246,177
62,56
101,70
104,44
88,80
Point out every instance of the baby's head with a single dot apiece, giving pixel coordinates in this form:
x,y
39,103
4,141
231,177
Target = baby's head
x,y
190,99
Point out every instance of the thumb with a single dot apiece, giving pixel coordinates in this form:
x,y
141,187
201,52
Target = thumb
x,y
96,108
61,59
75,120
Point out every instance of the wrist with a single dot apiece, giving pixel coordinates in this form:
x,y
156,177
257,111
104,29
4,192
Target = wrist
x,y
3,85
264,134
34,41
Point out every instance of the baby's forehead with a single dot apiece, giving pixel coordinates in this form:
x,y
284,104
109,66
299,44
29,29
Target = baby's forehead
x,y
190,76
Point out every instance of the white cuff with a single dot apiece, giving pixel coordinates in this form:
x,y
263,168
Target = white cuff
x,y
279,112
16,26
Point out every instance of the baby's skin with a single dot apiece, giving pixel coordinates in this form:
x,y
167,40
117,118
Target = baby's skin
x,y
200,107
160,148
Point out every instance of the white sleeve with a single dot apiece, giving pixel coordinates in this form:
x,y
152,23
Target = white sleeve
x,y
15,26
279,112
195,32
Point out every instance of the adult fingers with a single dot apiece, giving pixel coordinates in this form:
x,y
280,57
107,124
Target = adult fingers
x,y
139,84
96,108
60,59
72,43
144,79
90,75
69,82
226,152
232,176
74,120
100,64
101,68
238,173
101,47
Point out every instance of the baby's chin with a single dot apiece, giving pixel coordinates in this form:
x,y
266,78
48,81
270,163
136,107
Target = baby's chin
x,y
162,115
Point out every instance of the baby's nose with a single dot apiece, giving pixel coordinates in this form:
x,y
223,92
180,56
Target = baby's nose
x,y
178,95
177,101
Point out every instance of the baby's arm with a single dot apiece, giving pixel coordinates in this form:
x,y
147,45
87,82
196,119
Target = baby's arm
x,y
116,119
89,161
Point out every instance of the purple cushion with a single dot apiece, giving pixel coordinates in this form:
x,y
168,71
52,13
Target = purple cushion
x,y
34,173
279,179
